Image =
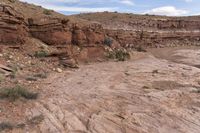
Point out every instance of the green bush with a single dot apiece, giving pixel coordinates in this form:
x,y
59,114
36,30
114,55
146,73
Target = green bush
x,y
119,54
141,49
1,77
36,120
14,71
17,92
5,126
40,75
108,41
31,78
42,53
47,12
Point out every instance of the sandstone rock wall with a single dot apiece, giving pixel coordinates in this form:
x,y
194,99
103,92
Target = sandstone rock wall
x,y
90,35
50,31
153,38
13,29
58,32
149,32
165,24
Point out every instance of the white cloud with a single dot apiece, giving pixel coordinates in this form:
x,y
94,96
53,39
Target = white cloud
x,y
196,14
127,2
78,9
43,2
188,0
58,5
167,10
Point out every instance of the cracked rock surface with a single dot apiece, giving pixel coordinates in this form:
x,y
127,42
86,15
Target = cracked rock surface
x,y
147,95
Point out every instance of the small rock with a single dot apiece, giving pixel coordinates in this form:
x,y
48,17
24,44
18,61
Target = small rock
x,y
1,55
59,70
10,57
127,74
155,71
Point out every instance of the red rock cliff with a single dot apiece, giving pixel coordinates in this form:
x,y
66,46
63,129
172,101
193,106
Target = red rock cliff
x,y
13,29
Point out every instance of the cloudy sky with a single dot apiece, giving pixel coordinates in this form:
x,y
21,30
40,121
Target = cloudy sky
x,y
158,7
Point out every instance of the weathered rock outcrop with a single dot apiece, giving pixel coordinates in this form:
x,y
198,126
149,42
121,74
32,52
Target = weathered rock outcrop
x,y
58,32
167,23
51,31
90,35
157,32
158,38
13,30
130,31
151,31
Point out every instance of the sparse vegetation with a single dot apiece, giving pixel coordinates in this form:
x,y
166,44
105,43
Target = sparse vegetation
x,y
47,12
1,77
197,90
14,71
13,74
42,53
108,41
14,93
36,76
141,49
5,126
146,87
31,78
119,54
36,120
40,75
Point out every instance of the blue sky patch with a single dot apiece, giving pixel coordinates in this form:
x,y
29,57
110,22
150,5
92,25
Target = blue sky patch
x,y
156,7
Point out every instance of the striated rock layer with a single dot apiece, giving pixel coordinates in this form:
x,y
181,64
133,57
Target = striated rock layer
x,y
60,31
115,29
13,29
131,30
159,38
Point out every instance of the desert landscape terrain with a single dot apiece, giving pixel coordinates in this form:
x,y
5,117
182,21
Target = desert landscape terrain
x,y
103,72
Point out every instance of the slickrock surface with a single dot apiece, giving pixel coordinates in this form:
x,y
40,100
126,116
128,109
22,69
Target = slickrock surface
x,y
146,95
156,91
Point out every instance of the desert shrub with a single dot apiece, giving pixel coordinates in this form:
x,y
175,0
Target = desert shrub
x,y
5,126
31,78
141,49
13,74
14,70
108,41
1,77
47,12
40,75
42,53
36,120
119,54
14,93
